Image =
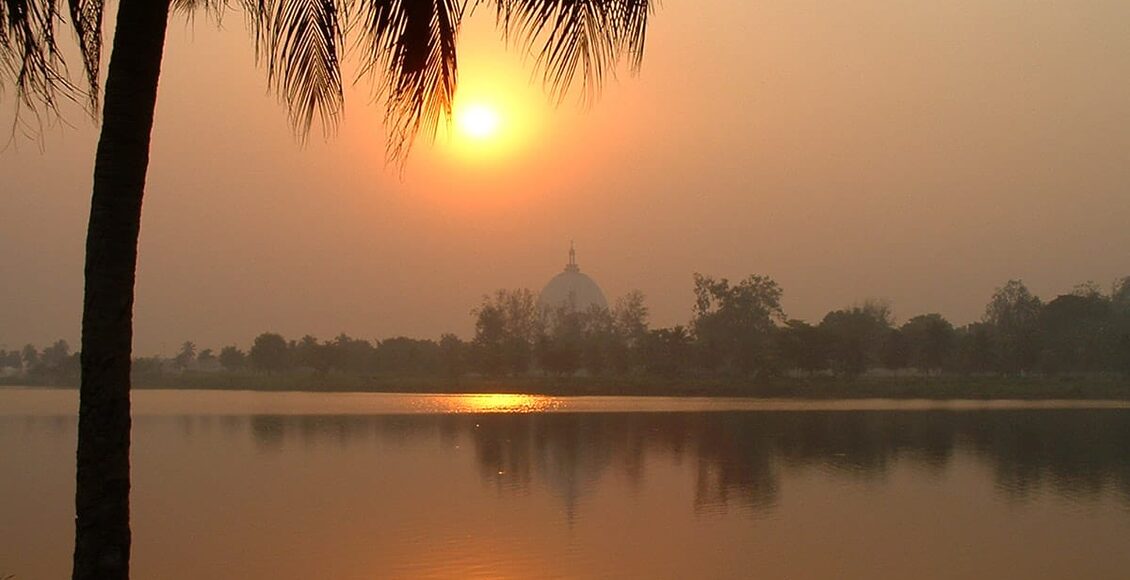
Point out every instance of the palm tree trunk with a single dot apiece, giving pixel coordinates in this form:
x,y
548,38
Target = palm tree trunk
x,y
102,534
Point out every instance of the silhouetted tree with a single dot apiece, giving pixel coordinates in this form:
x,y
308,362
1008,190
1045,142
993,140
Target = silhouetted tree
x,y
269,353
667,351
310,354
630,323
930,341
1076,331
232,359
977,348
507,326
733,324
206,356
601,343
56,355
148,366
11,359
490,334
53,365
186,355
855,336
560,347
895,351
352,355
452,356
1014,315
1120,325
407,356
1120,292
30,356
802,346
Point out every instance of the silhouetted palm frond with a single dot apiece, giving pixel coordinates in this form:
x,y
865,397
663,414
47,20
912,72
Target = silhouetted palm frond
x,y
214,9
301,40
29,52
86,17
410,46
583,38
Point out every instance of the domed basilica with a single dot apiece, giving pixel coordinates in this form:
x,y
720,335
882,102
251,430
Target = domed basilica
x,y
572,289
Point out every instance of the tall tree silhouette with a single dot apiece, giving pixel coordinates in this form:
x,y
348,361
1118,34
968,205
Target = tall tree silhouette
x,y
409,46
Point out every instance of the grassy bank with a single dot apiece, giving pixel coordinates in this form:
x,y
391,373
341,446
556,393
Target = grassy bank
x,y
820,387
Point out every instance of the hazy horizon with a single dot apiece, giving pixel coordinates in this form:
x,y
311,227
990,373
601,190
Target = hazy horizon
x,y
923,154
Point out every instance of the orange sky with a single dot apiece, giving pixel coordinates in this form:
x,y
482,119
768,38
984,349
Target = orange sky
x,y
917,151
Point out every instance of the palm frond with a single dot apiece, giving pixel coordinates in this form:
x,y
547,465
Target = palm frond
x,y
634,22
300,40
209,6
29,53
578,38
214,9
86,18
410,46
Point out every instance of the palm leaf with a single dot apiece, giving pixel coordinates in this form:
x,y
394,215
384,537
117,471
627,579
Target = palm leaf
x,y
29,53
300,41
577,38
409,45
86,18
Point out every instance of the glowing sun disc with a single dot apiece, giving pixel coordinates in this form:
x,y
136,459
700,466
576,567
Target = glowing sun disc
x,y
478,121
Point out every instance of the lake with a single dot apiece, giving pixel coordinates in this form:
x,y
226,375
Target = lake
x,y
306,486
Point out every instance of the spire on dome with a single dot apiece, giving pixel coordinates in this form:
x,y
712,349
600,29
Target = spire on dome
x,y
572,265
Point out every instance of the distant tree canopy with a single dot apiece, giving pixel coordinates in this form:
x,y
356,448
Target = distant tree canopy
x,y
507,326
855,337
513,334
931,341
738,331
186,355
53,365
1014,314
803,347
232,359
734,323
269,353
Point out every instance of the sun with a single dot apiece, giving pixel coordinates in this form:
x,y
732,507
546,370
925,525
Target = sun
x,y
478,121
497,116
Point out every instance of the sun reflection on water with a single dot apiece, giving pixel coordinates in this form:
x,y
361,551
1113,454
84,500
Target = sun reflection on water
x,y
495,403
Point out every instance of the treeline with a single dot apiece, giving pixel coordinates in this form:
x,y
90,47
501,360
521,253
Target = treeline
x,y
271,353
738,330
52,365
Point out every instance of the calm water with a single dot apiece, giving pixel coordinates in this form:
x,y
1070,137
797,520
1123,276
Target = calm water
x,y
266,485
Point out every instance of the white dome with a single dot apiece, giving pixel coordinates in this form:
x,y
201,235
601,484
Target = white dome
x,y
573,289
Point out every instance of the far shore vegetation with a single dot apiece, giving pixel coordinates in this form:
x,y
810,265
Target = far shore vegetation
x,y
739,342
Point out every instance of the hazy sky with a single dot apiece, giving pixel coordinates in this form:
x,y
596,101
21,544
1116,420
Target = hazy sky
x,y
923,152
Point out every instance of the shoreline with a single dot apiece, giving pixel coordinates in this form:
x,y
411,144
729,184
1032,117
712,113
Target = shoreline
x,y
945,387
